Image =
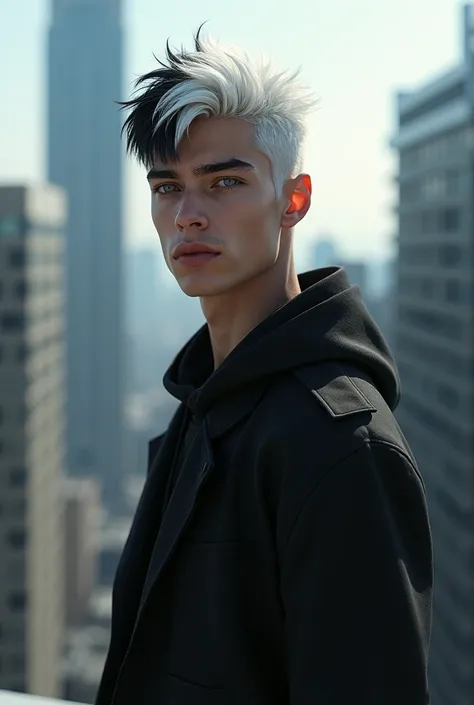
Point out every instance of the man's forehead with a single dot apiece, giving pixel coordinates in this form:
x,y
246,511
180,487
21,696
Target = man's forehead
x,y
207,162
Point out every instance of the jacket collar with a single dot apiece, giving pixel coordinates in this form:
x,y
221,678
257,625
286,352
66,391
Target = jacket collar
x,y
232,408
226,411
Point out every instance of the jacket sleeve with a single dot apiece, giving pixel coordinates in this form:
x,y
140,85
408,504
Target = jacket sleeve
x,y
356,581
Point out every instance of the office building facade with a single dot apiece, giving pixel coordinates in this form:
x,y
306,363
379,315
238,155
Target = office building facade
x,y
434,344
32,415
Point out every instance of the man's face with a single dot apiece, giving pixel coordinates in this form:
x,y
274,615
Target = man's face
x,y
218,205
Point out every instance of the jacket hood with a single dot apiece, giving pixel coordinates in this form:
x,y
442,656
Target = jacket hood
x,y
328,321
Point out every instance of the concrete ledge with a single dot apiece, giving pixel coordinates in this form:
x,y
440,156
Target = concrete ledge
x,y
9,698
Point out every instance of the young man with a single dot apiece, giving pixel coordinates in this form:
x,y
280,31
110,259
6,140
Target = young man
x,y
281,552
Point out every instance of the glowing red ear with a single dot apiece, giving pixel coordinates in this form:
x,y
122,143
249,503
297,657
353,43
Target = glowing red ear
x,y
298,200
300,195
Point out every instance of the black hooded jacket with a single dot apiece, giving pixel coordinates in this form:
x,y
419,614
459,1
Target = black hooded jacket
x,y
281,551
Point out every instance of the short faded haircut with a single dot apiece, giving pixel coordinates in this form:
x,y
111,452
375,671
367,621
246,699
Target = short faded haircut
x,y
217,81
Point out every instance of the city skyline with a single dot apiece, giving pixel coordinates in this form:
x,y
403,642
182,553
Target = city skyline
x,y
417,288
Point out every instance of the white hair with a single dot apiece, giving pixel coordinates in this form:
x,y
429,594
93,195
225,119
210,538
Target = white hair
x,y
218,81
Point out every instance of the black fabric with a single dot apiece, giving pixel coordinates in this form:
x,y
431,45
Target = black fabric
x,y
189,431
293,563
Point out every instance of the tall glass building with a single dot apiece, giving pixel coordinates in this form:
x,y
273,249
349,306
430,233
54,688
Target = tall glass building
x,y
85,58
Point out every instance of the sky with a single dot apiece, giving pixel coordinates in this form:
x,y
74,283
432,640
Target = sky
x,y
354,56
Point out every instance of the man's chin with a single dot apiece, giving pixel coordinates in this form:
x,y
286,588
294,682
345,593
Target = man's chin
x,y
196,287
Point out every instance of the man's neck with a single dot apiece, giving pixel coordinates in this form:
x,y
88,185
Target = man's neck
x,y
232,316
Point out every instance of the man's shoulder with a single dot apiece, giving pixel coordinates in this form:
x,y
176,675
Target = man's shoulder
x,y
320,419
330,403
336,389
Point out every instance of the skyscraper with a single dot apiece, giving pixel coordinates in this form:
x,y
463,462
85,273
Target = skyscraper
x,y
325,252
85,158
435,344
81,531
31,438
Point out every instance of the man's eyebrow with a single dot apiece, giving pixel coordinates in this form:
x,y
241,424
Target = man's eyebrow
x,y
226,165
203,169
161,174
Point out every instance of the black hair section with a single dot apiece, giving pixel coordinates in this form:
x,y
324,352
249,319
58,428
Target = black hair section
x,y
141,140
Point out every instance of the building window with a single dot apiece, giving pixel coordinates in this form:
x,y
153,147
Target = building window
x,y
17,601
449,433
427,288
433,187
450,219
16,508
20,289
428,222
17,538
17,257
453,291
12,322
10,225
21,353
450,255
433,104
447,360
432,321
453,179
410,158
410,191
17,477
416,254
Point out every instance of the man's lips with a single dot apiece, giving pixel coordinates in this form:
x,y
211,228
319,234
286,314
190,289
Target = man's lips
x,y
196,258
193,248
194,253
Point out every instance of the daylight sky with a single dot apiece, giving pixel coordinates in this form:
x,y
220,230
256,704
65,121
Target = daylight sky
x,y
354,55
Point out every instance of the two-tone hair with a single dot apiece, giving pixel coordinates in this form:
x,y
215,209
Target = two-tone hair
x,y
216,81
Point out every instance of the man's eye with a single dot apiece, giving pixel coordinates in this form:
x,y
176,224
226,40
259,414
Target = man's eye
x,y
165,188
228,182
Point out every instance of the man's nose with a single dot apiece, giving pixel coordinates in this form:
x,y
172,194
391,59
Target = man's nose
x,y
191,215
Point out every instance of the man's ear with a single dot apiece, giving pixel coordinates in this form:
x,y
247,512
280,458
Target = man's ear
x,y
299,196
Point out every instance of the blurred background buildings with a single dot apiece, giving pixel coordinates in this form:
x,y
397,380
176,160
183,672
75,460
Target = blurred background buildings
x,y
84,156
88,327
434,343
32,413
